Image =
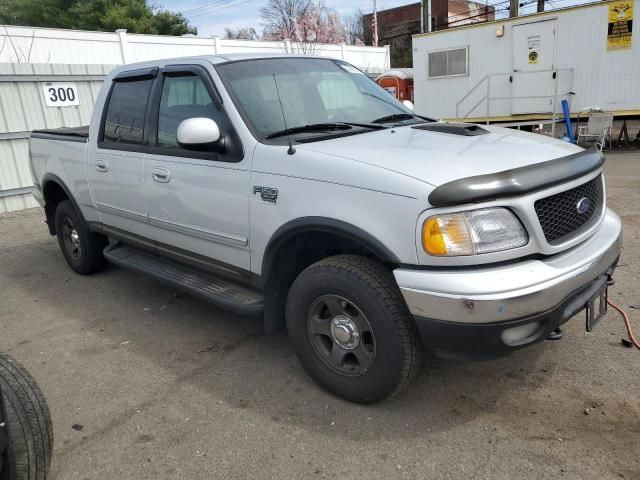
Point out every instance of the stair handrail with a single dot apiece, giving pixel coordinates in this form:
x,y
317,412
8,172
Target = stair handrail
x,y
473,89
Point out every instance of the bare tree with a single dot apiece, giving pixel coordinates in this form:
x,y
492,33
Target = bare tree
x,y
241,33
305,22
354,27
280,17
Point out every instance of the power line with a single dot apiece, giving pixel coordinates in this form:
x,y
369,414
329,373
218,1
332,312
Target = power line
x,y
208,12
496,11
206,8
506,9
483,7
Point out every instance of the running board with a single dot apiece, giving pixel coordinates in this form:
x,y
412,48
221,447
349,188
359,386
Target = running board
x,y
223,293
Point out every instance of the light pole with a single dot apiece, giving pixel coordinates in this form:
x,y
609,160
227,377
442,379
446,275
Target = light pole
x,y
425,20
375,24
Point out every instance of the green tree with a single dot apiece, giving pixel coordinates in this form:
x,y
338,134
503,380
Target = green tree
x,y
137,16
169,23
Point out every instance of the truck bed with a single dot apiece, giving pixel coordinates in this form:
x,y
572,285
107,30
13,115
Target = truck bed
x,y
69,134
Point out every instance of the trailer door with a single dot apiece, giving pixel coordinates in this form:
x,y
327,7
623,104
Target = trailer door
x,y
533,52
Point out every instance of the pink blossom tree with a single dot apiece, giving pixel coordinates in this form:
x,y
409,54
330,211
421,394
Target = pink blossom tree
x,y
307,23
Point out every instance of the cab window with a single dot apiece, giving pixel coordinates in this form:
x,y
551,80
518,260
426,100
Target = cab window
x,y
124,118
183,97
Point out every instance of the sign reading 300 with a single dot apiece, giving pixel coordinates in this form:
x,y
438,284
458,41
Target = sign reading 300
x,y
60,94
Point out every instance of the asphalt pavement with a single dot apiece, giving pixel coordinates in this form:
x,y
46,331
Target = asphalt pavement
x,y
160,385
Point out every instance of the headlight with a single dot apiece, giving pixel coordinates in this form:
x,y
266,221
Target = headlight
x,y
473,232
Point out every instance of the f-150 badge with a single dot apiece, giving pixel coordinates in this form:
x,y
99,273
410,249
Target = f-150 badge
x,y
268,194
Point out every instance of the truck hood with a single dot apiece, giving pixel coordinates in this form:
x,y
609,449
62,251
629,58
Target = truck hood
x,y
437,158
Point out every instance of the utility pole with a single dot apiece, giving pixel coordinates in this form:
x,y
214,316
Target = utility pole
x,y
513,8
374,26
540,6
425,22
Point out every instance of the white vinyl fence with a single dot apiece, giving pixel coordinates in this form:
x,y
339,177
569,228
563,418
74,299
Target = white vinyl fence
x,y
75,64
48,45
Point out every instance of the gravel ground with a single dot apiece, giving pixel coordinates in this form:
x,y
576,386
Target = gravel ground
x,y
166,386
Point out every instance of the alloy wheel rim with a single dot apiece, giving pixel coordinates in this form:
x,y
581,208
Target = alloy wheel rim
x,y
341,335
71,238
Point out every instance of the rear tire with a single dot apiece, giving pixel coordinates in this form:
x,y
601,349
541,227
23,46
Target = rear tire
x,y
29,428
81,248
351,329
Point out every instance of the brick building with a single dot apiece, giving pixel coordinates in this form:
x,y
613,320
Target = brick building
x,y
397,25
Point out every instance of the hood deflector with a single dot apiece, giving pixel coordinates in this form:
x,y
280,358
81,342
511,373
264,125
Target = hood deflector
x,y
517,181
464,129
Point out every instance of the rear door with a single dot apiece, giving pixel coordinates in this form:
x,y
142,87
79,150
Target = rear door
x,y
115,168
533,58
198,200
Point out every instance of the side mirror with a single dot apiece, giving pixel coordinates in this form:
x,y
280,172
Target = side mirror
x,y
409,105
200,133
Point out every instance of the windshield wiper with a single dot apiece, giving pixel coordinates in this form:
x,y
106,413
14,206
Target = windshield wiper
x,y
394,117
372,126
315,127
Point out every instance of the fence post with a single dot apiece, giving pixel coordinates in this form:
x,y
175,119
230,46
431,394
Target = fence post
x,y
342,49
216,45
388,57
287,46
124,45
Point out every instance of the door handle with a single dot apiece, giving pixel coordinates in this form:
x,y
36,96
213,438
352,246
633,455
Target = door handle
x,y
102,166
161,175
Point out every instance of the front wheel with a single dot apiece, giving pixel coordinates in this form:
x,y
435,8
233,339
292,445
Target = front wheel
x,y
351,329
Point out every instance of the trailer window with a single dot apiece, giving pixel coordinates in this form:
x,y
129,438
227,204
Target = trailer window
x,y
445,63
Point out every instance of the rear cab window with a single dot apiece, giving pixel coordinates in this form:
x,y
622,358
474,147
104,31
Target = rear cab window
x,y
124,118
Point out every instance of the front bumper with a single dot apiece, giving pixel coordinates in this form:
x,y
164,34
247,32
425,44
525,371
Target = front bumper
x,y
485,302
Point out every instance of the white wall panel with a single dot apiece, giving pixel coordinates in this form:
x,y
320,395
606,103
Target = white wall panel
x,y
23,108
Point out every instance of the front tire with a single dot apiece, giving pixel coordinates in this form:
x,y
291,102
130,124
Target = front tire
x,y
351,328
81,248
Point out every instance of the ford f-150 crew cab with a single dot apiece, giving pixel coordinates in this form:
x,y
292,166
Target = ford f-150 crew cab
x,y
296,189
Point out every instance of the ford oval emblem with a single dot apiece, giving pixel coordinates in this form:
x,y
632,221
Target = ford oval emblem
x,y
583,205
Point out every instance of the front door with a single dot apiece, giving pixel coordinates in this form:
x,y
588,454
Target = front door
x,y
198,200
533,83
115,168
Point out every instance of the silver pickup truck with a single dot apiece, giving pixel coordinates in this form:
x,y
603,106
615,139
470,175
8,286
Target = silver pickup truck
x,y
296,189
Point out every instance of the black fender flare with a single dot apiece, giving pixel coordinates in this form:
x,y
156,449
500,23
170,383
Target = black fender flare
x,y
326,225
276,291
52,178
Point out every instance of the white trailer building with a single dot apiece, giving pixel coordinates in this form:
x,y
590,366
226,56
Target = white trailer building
x,y
522,68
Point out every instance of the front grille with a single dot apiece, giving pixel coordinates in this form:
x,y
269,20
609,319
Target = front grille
x,y
558,214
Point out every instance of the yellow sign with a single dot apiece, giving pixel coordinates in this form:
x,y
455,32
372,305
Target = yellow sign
x,y
620,25
533,57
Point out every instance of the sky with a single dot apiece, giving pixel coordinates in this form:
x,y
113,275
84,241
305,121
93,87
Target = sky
x,y
212,16
240,13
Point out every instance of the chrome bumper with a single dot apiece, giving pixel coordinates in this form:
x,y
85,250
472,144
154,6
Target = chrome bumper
x,y
513,291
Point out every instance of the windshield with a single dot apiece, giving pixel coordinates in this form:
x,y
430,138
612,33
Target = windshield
x,y
314,92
